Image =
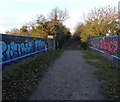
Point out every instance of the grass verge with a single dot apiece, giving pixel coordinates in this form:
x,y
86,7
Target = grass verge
x,y
20,83
108,74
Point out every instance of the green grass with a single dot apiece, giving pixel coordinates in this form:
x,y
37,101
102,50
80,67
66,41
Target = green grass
x,y
108,74
20,83
91,55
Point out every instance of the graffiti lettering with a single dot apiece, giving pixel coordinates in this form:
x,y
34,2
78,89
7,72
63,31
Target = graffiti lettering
x,y
13,47
109,45
14,50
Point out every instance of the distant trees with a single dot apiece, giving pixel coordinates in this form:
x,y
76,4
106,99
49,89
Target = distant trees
x,y
13,31
99,22
53,25
58,15
56,27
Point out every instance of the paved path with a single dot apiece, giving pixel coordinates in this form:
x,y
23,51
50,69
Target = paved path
x,y
69,78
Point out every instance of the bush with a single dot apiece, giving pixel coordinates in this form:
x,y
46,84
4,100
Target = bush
x,y
84,45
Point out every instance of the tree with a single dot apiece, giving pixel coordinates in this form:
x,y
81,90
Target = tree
x,y
58,15
56,27
53,25
103,20
99,22
13,31
80,29
24,30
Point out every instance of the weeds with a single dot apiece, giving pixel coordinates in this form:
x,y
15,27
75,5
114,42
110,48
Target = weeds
x,y
108,74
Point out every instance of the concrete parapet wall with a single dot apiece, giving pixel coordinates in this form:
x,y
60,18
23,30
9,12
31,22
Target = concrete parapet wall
x,y
13,47
109,47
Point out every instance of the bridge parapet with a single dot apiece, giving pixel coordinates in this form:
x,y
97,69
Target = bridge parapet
x,y
14,47
108,46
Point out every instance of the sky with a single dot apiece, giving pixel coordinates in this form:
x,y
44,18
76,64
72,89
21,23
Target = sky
x,y
15,13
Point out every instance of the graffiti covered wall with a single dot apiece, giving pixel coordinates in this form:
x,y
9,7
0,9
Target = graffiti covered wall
x,y
108,47
14,47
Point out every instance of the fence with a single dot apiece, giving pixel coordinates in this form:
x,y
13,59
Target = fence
x,y
109,47
13,47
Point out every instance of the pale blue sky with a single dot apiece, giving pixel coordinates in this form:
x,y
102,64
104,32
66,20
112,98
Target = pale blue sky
x,y
15,13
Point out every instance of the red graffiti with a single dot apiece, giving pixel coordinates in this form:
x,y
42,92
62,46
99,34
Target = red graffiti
x,y
109,45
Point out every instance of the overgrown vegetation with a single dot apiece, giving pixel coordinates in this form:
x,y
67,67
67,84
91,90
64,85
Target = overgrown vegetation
x,y
81,45
108,74
20,83
99,22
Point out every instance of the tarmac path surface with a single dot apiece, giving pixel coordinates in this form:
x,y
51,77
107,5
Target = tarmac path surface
x,y
69,78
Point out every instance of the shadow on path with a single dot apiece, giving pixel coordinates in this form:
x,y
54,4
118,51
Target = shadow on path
x,y
72,45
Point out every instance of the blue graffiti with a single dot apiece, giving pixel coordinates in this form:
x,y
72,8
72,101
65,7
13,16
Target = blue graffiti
x,y
14,51
39,45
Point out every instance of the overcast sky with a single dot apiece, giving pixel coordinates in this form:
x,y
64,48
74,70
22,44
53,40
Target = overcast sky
x,y
15,13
